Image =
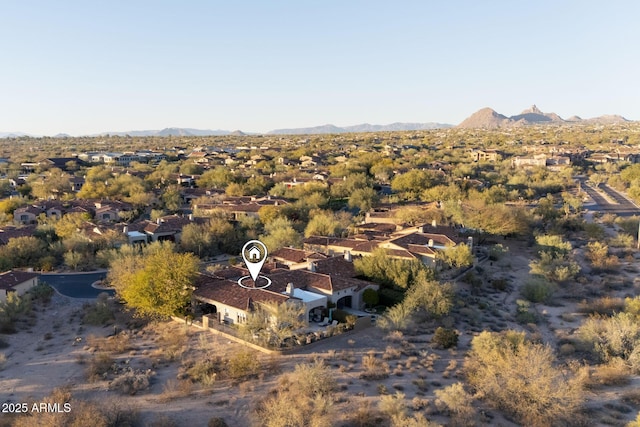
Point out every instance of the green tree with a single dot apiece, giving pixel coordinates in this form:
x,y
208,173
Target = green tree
x,y
280,233
197,239
171,198
70,223
157,283
363,199
427,294
24,251
218,177
457,256
327,223
370,297
412,183
53,183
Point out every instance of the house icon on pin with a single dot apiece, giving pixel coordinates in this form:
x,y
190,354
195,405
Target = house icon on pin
x,y
254,254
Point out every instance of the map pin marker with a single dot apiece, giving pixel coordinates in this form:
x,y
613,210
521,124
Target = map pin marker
x,y
254,254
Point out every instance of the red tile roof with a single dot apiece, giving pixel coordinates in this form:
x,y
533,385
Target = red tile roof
x,y
291,255
12,278
228,292
8,233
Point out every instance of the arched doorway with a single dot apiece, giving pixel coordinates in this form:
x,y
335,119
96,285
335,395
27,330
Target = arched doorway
x,y
344,302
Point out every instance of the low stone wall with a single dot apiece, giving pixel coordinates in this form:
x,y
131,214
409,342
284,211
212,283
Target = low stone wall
x,y
207,324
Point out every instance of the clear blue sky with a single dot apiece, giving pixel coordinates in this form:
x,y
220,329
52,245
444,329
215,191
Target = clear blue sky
x,y
84,67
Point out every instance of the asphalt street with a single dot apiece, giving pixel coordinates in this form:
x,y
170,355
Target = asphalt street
x,y
621,206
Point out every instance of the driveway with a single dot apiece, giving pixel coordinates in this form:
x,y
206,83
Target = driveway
x,y
75,285
621,205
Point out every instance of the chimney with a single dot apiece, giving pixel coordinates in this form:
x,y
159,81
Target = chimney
x,y
470,242
158,221
125,229
347,256
290,289
421,229
312,267
430,243
190,217
434,223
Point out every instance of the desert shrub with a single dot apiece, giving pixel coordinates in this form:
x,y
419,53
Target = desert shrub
x,y
114,344
100,312
538,290
313,379
106,413
204,371
457,402
635,422
131,382
605,305
622,240
365,415
555,265
217,422
613,337
598,254
175,389
552,243
14,306
632,306
396,317
391,353
499,284
497,251
373,368
628,224
243,364
304,398
511,373
445,337
613,373
340,315
594,231
171,341
524,315
42,292
99,366
393,405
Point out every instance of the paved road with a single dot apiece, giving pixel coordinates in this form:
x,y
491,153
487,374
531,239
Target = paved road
x,y
75,285
621,207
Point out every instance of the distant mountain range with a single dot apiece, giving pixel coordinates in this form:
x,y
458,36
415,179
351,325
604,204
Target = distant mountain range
x,y
484,118
13,134
490,119
365,127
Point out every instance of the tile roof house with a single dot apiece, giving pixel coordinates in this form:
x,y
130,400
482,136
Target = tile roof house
x,y
420,243
168,227
295,257
331,279
16,281
27,214
7,233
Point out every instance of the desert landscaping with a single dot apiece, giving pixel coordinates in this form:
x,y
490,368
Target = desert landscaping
x,y
121,370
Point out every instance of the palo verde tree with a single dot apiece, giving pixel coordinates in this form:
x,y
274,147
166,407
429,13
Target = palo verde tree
x,y
156,283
